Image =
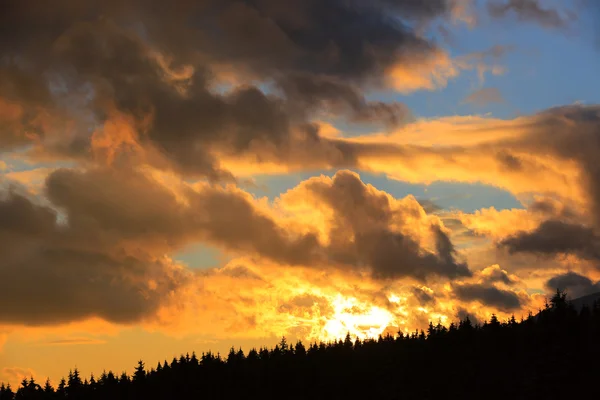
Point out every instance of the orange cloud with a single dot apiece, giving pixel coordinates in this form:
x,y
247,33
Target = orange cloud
x,y
433,70
14,124
306,303
428,71
10,112
330,256
463,11
288,284
500,224
93,329
15,375
73,341
283,288
119,134
473,149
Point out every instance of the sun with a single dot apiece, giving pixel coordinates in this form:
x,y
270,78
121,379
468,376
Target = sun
x,y
358,318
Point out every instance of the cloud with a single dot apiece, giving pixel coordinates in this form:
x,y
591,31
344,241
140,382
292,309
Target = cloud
x,y
489,295
463,314
328,95
103,234
308,303
340,223
11,116
553,237
104,207
15,375
158,122
498,224
424,296
158,105
530,10
40,255
92,328
484,97
429,72
366,229
495,274
434,71
514,154
146,91
577,285
74,341
519,155
105,203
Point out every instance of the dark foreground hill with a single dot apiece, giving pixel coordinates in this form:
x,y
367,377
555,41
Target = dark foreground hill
x,y
587,300
549,357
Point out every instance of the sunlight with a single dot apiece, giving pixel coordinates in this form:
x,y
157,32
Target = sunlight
x,y
394,298
357,318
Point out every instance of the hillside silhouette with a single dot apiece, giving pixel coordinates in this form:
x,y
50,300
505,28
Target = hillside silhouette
x,y
551,355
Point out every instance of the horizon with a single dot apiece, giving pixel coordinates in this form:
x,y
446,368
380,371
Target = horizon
x,y
215,174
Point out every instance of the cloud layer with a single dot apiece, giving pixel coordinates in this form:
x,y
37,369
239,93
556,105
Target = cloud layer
x,y
144,123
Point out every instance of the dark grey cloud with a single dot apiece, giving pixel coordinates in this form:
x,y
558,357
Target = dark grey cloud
x,y
106,258
47,278
304,304
496,274
116,207
302,34
423,296
463,314
553,237
309,93
109,48
21,96
240,271
58,285
531,10
553,209
362,235
575,284
509,162
489,295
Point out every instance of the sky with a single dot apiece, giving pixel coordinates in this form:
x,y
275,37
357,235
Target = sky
x,y
204,174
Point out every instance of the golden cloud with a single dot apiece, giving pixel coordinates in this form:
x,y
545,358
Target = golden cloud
x,y
330,255
429,72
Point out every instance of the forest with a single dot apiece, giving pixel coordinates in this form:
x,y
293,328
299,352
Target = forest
x,y
552,354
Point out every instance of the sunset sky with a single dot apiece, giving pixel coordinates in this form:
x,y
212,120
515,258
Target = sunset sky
x,y
196,175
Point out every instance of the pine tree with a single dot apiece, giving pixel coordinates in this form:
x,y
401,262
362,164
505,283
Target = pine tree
x,y
283,345
48,387
61,390
139,375
348,341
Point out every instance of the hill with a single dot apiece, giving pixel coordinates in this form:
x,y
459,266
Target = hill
x,y
588,300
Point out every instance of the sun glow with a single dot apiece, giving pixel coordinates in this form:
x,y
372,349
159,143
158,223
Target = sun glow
x,y
358,318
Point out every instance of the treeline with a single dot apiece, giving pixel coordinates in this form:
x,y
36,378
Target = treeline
x,y
554,354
